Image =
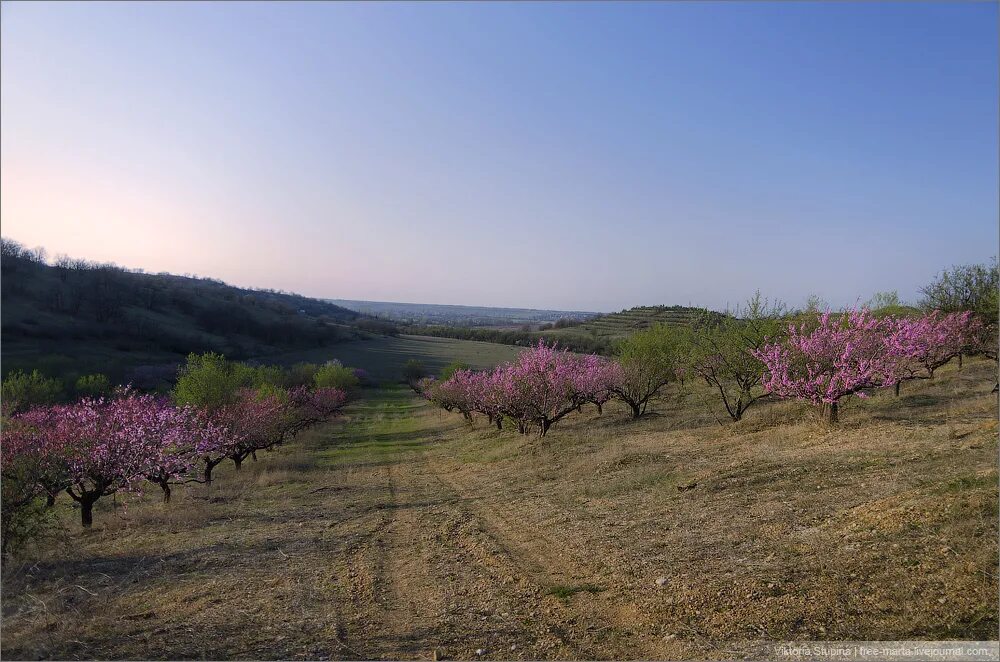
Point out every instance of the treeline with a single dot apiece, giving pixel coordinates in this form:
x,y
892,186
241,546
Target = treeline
x,y
561,323
74,306
584,344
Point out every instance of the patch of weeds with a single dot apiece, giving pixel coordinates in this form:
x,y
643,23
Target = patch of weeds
x,y
970,482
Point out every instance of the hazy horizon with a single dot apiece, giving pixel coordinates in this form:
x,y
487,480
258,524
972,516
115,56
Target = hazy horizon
x,y
588,157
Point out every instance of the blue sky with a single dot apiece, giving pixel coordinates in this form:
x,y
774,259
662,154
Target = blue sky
x,y
577,156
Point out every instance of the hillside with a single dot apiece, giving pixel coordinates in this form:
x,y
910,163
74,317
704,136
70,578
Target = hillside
x,y
456,315
596,335
76,316
626,322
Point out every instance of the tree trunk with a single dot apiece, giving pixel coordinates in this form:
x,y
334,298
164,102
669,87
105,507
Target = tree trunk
x,y
959,360
166,491
897,388
87,512
636,411
600,409
831,413
50,500
499,422
253,454
208,472
238,461
546,424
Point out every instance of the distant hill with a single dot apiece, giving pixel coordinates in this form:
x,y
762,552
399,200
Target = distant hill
x,y
455,315
626,322
76,316
596,335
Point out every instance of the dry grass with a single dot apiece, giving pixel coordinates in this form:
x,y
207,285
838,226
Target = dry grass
x,y
403,532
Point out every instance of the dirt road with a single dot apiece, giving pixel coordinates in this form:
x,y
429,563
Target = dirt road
x,y
437,566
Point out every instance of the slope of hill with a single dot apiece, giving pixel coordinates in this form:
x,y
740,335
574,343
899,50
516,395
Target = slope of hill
x,y
626,322
455,315
79,316
596,335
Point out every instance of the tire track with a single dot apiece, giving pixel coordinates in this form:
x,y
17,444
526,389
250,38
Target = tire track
x,y
438,569
591,625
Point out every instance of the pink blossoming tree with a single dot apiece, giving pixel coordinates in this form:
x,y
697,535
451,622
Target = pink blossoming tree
x,y
924,344
840,356
112,445
536,390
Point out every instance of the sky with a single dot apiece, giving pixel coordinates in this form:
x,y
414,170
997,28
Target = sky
x,y
552,155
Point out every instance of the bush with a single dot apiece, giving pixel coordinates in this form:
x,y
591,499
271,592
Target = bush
x,y
301,374
335,376
382,327
93,386
21,391
261,376
209,380
413,371
971,287
24,517
452,368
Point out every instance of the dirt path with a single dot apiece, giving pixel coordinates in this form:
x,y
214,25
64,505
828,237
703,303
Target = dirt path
x,y
443,571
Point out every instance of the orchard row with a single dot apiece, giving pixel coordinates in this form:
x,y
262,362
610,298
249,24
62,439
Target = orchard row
x,y
99,446
821,359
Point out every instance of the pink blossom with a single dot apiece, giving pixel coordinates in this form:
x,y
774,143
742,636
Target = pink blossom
x,y
840,356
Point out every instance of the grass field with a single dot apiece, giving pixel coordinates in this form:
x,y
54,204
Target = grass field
x,y
399,532
384,356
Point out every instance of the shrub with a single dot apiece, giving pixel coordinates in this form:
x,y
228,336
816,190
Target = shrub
x,y
335,376
971,287
413,371
208,381
452,368
301,374
21,391
93,386
363,377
